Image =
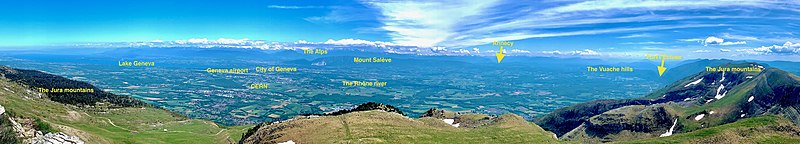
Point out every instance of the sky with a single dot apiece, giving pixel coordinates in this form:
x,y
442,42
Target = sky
x,y
734,29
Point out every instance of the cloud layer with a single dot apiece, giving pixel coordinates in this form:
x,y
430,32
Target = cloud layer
x,y
787,48
478,22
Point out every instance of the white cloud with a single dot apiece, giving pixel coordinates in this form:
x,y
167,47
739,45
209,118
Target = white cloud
x,y
478,22
733,43
462,51
712,40
224,41
344,14
426,23
292,7
643,43
519,51
600,5
643,35
724,50
787,48
699,40
302,42
702,51
197,40
231,41
585,52
739,37
357,42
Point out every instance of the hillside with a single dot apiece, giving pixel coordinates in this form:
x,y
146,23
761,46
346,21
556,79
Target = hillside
x,y
32,111
438,126
762,129
36,80
704,100
378,126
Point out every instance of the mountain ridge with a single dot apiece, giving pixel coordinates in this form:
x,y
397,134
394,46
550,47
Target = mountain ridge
x,y
35,116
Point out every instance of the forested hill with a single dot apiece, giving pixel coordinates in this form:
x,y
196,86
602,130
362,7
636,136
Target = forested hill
x,y
89,96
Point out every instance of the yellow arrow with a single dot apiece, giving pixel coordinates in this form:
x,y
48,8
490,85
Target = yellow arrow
x,y
500,55
661,68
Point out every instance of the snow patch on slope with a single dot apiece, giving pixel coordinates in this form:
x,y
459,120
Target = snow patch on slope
x,y
671,129
694,83
721,87
451,121
699,117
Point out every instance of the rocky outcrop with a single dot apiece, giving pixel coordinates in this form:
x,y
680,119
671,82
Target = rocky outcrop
x,y
7,133
55,138
24,130
368,107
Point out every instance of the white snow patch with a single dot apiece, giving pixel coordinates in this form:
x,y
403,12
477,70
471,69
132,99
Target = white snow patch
x,y
2,110
687,99
287,142
721,87
694,83
723,77
669,132
750,99
748,77
449,121
741,115
711,112
699,117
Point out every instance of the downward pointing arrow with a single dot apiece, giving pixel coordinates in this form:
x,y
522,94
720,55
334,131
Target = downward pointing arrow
x,y
500,55
661,68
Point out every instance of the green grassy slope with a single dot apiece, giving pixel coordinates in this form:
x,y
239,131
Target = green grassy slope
x,y
386,127
772,91
119,125
763,129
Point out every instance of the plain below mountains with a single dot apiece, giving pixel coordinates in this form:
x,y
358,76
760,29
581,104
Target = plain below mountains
x,y
707,107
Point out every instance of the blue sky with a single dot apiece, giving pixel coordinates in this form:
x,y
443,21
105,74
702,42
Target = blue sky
x,y
737,29
35,22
